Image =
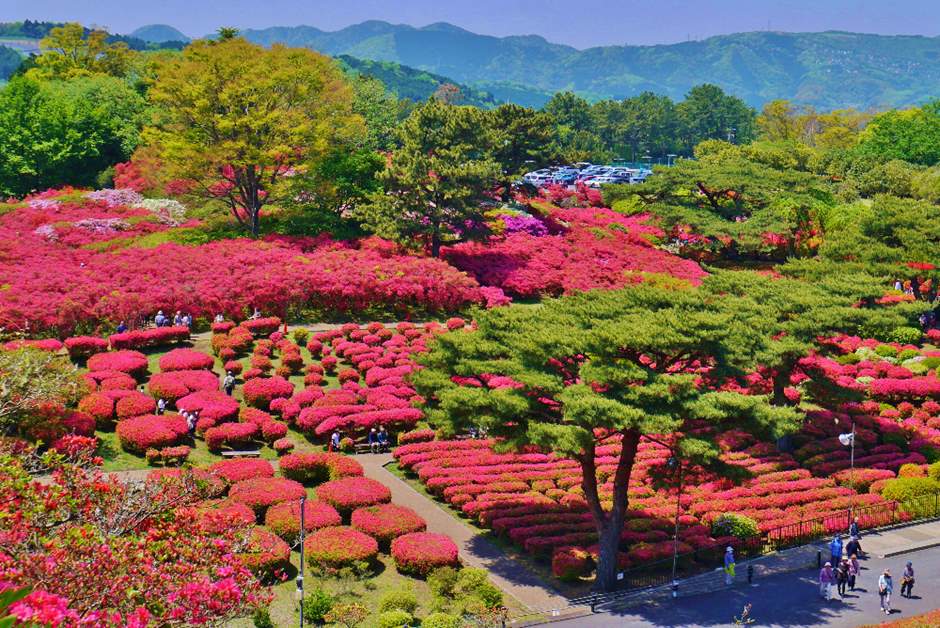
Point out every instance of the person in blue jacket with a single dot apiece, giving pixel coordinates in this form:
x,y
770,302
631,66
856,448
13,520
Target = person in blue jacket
x,y
835,549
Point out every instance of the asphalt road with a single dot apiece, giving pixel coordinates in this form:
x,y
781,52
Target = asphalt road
x,y
789,600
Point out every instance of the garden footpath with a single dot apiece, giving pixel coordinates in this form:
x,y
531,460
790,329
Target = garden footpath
x,y
513,577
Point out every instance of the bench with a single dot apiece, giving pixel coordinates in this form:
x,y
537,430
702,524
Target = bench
x,y
254,453
364,448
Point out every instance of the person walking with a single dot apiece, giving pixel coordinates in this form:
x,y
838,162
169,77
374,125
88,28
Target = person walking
x,y
373,441
219,318
729,565
907,580
161,406
826,578
853,529
177,319
122,327
853,547
885,586
228,384
334,441
159,320
854,569
187,321
835,550
842,576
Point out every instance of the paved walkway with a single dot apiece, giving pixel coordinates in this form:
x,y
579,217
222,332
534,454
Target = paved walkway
x,y
513,577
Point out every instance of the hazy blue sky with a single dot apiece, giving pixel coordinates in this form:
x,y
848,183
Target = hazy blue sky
x,y
580,23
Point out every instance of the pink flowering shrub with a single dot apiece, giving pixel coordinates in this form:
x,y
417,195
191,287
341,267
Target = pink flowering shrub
x,y
337,547
169,456
259,392
174,385
283,446
141,433
133,363
348,494
284,519
386,522
419,553
231,435
186,360
83,347
316,468
134,404
266,554
261,493
153,337
236,470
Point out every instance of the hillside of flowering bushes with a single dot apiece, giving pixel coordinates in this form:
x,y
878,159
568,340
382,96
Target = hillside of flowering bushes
x,y
78,261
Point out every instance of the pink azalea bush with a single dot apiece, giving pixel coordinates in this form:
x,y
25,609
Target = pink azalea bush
x,y
419,553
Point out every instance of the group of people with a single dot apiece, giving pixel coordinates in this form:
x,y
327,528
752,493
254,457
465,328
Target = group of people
x,y
179,319
377,439
842,569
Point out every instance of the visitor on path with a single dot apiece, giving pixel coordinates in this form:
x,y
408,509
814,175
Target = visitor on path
x,y
374,441
228,384
190,423
256,314
854,568
842,576
159,320
334,441
219,318
187,320
885,586
826,578
122,327
729,565
383,438
907,580
853,547
177,319
898,285
853,529
161,406
835,550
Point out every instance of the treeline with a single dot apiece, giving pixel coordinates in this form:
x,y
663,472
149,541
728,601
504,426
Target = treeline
x,y
28,29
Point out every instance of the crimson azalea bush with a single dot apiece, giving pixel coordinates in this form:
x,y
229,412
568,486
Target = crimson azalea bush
x,y
171,456
186,360
266,554
150,431
261,493
109,380
337,547
283,446
386,521
174,385
348,494
237,469
316,468
99,406
134,404
259,392
134,363
214,407
153,337
419,553
83,347
262,326
232,435
284,519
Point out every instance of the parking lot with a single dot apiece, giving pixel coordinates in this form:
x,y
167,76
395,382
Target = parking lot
x,y
590,175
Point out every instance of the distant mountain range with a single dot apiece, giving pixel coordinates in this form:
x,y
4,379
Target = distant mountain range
x,y
828,70
159,33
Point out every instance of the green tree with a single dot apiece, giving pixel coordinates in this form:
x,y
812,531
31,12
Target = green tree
x,y
68,51
30,378
55,133
235,120
521,140
779,121
570,110
709,113
10,61
604,365
911,135
379,108
435,183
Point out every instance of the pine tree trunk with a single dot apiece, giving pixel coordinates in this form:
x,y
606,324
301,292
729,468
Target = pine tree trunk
x,y
609,524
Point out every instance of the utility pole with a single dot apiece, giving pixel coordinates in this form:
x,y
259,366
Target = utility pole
x,y
300,570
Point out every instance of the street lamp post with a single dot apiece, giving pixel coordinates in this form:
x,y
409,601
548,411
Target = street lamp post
x,y
675,462
300,570
849,441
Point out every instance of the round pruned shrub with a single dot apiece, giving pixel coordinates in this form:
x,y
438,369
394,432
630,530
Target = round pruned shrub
x,y
419,553
316,468
233,471
338,547
174,385
134,363
82,347
736,525
186,360
260,391
395,619
284,519
261,493
134,404
149,431
348,494
386,522
233,435
266,554
440,620
100,407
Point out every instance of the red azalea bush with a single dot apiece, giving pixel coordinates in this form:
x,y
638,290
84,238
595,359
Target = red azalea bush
x,y
419,553
134,404
214,407
45,344
233,366
416,436
284,519
262,326
261,493
348,494
171,456
570,563
82,347
109,380
283,446
153,337
386,522
266,554
222,328
316,468
273,430
149,431
259,392
338,547
232,435
186,360
174,385
100,407
242,469
134,363
74,446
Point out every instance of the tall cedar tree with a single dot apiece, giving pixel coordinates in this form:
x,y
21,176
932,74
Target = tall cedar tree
x,y
235,120
628,364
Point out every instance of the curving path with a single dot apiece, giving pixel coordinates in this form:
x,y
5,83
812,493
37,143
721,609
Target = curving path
x,y
513,577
